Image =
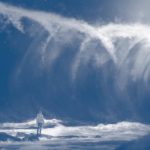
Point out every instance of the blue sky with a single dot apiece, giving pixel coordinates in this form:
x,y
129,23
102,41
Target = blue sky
x,y
89,10
95,66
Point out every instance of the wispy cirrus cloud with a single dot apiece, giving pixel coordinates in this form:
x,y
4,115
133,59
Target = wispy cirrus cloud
x,y
102,43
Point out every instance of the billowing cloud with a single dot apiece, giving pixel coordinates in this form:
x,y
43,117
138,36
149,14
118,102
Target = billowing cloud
x,y
121,131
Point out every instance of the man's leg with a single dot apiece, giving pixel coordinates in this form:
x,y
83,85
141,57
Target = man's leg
x,y
38,130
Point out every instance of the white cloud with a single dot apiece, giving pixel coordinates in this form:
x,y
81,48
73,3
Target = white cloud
x,y
121,131
65,30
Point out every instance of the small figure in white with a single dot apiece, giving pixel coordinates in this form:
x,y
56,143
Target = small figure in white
x,y
39,122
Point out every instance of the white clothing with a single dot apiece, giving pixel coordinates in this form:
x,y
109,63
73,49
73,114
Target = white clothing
x,y
40,118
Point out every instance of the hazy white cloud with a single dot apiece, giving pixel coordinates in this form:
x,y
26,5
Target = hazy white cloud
x,y
63,30
121,131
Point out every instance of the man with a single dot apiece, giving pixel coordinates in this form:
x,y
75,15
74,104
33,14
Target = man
x,y
39,122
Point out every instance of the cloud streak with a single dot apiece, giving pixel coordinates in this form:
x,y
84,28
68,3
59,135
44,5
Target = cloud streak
x,y
102,43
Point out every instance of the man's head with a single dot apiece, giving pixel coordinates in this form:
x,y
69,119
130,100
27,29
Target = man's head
x,y
40,112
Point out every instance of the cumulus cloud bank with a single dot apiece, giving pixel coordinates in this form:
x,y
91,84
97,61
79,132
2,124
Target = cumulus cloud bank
x,y
126,45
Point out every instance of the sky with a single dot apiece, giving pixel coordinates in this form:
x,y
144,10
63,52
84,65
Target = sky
x,y
91,11
82,60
